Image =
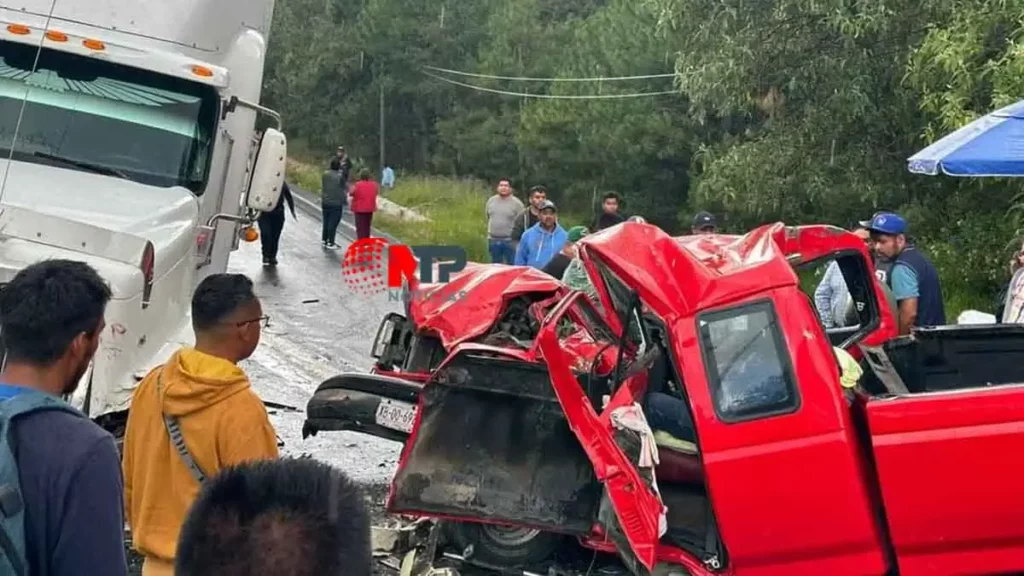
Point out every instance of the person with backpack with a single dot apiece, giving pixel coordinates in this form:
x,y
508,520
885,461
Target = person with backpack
x,y
194,416
60,477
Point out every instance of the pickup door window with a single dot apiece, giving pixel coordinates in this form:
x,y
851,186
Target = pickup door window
x,y
779,447
748,368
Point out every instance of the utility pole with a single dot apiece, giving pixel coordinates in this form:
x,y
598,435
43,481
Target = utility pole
x,y
382,164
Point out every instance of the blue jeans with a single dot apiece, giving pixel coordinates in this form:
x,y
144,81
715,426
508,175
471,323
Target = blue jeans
x,y
669,414
501,251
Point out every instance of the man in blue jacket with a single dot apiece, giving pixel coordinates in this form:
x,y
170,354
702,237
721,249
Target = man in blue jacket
x,y
541,242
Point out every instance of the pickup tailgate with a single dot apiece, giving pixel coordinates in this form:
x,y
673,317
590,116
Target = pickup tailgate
x,y
950,469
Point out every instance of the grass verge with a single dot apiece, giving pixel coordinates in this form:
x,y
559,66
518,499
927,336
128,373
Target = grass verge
x,y
455,209
454,206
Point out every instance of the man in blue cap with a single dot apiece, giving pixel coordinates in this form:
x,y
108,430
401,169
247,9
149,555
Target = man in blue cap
x,y
883,266
913,280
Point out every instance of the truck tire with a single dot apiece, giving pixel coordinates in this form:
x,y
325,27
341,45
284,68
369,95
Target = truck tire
x,y
504,546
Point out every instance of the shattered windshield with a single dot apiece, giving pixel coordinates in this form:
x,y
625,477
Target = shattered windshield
x,y
95,116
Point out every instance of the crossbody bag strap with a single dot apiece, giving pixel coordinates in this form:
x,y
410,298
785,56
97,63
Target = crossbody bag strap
x,y
178,440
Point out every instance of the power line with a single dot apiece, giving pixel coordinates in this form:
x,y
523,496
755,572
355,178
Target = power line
x,y
552,96
531,79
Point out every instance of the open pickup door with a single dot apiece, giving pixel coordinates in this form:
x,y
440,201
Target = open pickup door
x,y
635,526
503,440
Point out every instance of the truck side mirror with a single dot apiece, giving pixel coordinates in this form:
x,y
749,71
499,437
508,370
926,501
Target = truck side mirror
x,y
268,172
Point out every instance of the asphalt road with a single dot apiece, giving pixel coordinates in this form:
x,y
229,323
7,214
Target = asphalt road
x,y
318,329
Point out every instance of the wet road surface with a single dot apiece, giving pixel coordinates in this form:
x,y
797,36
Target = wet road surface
x,y
318,329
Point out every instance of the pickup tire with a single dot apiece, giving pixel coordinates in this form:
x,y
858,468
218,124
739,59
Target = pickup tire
x,y
504,546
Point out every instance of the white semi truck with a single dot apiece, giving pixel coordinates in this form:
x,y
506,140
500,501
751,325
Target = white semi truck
x,y
127,141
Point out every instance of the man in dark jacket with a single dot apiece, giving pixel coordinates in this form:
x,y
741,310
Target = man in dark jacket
x,y
914,280
531,215
344,163
333,198
609,213
272,224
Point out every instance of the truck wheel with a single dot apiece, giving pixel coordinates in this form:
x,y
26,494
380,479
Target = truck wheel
x,y
505,546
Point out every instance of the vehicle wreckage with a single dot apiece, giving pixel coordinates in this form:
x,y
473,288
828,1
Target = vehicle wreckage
x,y
524,411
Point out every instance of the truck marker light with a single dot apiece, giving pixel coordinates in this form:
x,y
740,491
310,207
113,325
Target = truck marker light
x,y
56,36
202,71
18,29
94,44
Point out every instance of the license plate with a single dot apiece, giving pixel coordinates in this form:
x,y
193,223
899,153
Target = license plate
x,y
396,415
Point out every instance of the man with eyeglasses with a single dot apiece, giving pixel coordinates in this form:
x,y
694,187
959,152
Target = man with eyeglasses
x,y
192,417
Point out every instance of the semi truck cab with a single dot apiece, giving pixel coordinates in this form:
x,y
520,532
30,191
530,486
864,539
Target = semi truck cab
x,y
127,140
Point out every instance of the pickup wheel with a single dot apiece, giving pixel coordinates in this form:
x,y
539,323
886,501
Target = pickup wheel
x,y
504,546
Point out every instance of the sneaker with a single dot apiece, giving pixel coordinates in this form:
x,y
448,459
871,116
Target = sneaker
x,y
333,246
324,243
273,261
267,261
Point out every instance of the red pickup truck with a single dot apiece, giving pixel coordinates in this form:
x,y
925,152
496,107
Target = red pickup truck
x,y
910,473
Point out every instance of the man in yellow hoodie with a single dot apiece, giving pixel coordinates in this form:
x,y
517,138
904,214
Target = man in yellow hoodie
x,y
192,417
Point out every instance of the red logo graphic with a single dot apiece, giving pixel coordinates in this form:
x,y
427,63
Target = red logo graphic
x,y
363,268
372,265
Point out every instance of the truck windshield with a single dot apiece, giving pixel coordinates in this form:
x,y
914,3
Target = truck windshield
x,y
91,115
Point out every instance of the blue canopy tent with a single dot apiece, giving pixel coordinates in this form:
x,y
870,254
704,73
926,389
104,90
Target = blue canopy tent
x,y
992,145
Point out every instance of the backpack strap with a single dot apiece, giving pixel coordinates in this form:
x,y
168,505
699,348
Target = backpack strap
x,y
12,503
178,439
34,401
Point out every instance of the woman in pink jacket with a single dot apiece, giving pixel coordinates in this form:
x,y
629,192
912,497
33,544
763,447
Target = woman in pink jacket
x,y
364,203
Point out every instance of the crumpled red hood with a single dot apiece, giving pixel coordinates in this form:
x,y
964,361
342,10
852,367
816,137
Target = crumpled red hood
x,y
471,301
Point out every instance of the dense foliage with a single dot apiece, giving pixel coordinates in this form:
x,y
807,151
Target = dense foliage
x,y
795,110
